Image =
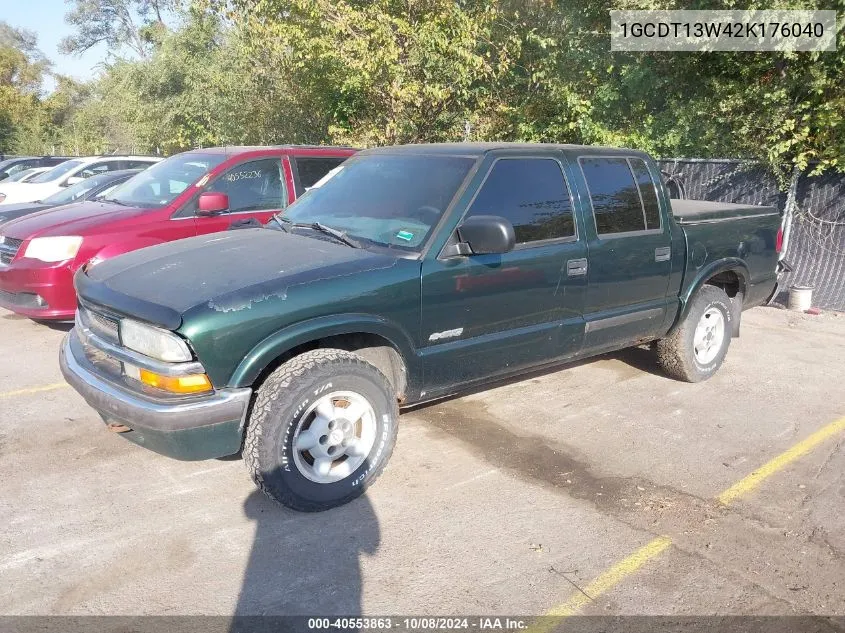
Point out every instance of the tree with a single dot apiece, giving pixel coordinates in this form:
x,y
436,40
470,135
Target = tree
x,y
392,71
133,24
22,70
385,71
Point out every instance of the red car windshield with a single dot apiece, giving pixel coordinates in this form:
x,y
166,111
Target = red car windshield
x,y
159,185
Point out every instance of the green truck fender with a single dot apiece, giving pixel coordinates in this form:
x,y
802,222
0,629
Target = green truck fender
x,y
731,274
368,327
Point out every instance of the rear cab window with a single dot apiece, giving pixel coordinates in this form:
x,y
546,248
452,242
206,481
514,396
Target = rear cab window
x,y
532,194
622,194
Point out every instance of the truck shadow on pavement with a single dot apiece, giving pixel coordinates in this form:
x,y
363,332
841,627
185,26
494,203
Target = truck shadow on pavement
x,y
306,563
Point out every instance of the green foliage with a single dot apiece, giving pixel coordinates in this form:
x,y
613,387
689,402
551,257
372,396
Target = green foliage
x,y
134,24
372,72
22,69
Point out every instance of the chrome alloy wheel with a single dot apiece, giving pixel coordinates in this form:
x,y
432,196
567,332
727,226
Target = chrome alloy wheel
x,y
709,335
334,437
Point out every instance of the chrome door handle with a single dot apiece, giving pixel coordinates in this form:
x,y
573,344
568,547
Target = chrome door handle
x,y
576,267
663,254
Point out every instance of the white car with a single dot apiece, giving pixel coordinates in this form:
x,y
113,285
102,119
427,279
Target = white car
x,y
27,174
67,173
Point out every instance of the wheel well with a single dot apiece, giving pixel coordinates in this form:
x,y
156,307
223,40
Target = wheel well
x,y
375,349
734,286
729,281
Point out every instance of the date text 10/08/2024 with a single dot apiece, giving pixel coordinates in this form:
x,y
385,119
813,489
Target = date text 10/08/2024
x,y
419,623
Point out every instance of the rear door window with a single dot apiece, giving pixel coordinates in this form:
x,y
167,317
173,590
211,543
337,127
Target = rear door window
x,y
648,192
309,169
137,164
614,195
532,194
100,168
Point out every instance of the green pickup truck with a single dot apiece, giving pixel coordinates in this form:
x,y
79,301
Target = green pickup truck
x,y
405,275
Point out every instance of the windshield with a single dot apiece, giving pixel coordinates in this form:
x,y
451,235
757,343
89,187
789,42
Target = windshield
x,y
389,199
26,173
6,164
159,185
77,191
58,171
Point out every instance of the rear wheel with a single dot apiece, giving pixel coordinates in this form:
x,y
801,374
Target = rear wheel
x,y
695,349
322,429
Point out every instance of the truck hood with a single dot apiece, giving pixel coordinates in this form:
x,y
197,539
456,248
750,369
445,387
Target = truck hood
x,y
223,272
70,219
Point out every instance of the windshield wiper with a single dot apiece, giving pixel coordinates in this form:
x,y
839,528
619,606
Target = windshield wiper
x,y
281,222
340,236
113,201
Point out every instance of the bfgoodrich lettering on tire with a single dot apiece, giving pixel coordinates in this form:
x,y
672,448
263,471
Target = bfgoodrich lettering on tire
x,y
695,349
321,431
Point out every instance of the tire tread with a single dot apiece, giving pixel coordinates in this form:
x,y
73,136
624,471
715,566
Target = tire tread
x,y
674,352
271,390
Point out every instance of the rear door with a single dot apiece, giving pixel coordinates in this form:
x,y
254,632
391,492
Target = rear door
x,y
484,315
628,252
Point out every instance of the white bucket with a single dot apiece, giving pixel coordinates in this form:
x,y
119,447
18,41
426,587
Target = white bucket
x,y
800,298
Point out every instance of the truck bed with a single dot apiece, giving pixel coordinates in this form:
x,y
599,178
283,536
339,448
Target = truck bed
x,y
698,211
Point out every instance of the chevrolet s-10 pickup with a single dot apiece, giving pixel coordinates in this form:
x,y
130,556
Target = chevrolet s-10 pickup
x,y
405,275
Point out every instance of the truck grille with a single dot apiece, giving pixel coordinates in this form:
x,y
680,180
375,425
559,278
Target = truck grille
x,y
105,327
8,249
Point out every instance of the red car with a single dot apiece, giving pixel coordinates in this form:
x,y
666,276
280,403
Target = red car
x,y
188,194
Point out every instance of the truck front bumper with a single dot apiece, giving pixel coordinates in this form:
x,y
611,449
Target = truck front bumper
x,y
190,429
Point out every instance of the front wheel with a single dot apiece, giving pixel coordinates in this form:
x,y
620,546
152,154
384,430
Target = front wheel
x,y
695,349
321,431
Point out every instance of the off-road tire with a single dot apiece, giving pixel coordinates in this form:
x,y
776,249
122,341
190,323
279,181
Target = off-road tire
x,y
675,353
279,403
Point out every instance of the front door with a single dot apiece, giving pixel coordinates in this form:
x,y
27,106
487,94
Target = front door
x,y
255,189
629,253
485,315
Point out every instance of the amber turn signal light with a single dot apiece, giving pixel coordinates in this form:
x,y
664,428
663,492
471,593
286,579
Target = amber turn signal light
x,y
191,383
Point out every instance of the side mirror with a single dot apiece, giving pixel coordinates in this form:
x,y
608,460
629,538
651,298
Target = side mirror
x,y
487,234
73,180
212,203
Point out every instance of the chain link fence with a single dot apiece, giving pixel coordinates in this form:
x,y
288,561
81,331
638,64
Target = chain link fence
x,y
815,249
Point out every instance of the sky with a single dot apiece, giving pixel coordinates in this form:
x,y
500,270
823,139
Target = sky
x,y
46,18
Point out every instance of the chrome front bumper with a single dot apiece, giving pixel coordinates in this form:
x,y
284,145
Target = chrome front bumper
x,y
191,428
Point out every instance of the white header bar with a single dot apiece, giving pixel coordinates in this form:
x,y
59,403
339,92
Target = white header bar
x,y
770,30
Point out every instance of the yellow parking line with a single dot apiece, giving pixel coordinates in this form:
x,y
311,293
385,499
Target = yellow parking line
x,y
621,570
604,583
749,483
612,577
23,392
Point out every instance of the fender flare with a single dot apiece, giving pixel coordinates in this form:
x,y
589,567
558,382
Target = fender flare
x,y
271,348
728,264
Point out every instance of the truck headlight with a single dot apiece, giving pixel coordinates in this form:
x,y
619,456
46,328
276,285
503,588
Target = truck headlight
x,y
153,342
53,249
